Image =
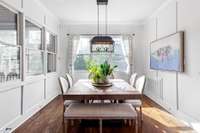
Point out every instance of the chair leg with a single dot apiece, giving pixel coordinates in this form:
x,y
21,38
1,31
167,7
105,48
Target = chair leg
x,y
129,122
100,126
63,118
141,116
125,122
65,126
72,122
136,125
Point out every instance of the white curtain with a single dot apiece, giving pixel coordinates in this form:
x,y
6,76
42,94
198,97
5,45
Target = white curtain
x,y
128,50
73,42
75,47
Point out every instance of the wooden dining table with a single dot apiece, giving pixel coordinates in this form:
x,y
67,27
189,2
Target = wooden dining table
x,y
84,90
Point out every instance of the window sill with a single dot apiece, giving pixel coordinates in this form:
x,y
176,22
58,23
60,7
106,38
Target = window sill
x,y
10,85
52,74
34,78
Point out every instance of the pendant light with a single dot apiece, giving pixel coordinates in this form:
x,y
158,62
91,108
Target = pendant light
x,y
102,43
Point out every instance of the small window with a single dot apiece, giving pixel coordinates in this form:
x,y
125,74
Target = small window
x,y
9,47
50,42
34,49
34,62
51,62
33,36
51,52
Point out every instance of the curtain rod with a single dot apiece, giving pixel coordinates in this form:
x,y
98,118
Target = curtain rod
x,y
100,34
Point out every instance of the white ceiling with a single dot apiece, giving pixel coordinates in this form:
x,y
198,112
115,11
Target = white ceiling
x,y
119,11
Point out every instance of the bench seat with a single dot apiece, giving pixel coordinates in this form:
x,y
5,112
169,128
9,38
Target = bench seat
x,y
100,111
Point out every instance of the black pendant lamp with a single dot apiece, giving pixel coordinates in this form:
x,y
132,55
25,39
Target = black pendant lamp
x,y
102,43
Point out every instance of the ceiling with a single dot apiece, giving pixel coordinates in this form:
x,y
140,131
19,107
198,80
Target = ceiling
x,y
119,11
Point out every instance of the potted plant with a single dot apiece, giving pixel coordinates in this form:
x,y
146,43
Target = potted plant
x,y
99,74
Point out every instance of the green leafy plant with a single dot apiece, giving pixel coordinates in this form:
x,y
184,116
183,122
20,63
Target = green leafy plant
x,y
99,73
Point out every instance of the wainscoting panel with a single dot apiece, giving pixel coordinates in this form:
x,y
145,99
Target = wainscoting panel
x,y
154,86
33,94
169,88
52,86
10,102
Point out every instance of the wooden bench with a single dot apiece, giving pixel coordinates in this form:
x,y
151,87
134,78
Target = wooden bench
x,y
99,111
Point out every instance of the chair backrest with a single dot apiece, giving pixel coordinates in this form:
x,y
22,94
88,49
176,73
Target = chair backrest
x,y
64,85
133,79
70,80
112,76
140,84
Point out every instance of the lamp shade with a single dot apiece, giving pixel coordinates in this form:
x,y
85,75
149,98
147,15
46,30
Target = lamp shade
x,y
102,40
102,44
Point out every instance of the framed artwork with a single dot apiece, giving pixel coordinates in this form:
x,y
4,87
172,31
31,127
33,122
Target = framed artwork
x,y
167,53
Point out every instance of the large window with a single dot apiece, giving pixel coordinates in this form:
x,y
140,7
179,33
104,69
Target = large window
x,y
51,52
34,49
119,57
9,47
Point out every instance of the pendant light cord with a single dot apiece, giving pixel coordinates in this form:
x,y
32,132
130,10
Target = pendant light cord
x,y
98,19
106,20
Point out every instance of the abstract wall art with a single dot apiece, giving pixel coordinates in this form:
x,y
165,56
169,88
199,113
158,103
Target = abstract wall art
x,y
168,53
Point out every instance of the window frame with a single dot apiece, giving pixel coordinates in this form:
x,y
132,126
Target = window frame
x,y
18,45
110,58
42,49
50,52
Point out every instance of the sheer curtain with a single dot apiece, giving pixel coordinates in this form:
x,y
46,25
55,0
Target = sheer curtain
x,y
128,50
75,48
73,42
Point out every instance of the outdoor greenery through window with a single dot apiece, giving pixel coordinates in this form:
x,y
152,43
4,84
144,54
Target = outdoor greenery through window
x,y
34,49
119,57
51,52
9,47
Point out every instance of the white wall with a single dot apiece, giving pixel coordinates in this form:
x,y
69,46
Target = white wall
x,y
178,92
77,29
21,99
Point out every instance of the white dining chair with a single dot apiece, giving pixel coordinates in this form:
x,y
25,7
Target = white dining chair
x,y
70,79
133,79
139,86
64,85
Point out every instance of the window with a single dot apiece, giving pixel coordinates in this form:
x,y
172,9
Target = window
x,y
34,49
9,47
51,52
119,57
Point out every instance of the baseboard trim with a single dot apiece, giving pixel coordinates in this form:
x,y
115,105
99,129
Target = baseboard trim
x,y
21,119
195,124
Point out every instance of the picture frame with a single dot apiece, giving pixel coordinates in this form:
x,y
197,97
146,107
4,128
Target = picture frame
x,y
167,53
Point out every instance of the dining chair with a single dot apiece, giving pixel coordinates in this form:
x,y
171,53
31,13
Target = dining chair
x,y
112,76
64,85
133,79
2,77
70,79
139,85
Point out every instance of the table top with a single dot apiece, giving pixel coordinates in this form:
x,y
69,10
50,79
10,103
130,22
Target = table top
x,y
84,90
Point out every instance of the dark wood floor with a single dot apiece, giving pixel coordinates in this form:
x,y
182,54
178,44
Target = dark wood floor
x,y
49,120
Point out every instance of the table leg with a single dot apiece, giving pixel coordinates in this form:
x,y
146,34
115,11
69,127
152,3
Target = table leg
x,y
100,125
141,116
136,125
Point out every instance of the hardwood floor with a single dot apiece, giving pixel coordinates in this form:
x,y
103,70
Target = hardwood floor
x,y
49,120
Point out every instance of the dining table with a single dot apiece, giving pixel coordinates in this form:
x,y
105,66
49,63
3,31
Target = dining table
x,y
83,89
